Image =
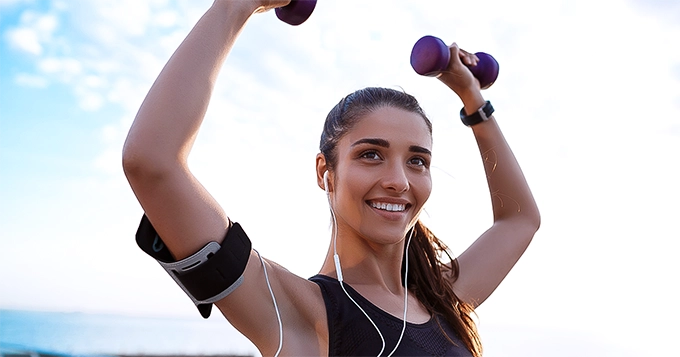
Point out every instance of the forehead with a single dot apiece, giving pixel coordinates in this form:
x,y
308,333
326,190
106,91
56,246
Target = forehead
x,y
397,126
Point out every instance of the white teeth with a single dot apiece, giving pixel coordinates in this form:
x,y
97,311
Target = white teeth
x,y
393,207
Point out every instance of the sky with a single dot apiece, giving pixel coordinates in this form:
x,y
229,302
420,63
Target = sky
x,y
588,97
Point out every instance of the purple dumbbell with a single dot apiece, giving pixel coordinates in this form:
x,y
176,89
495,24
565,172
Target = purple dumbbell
x,y
431,55
296,12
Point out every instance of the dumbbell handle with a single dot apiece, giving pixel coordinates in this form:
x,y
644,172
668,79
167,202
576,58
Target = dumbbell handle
x,y
430,56
296,12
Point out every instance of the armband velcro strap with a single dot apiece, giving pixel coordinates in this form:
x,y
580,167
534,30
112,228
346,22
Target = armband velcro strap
x,y
207,275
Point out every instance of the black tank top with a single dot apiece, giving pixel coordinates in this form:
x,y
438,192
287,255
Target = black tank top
x,y
351,334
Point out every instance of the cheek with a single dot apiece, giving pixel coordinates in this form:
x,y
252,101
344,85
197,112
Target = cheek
x,y
355,187
350,188
353,179
422,187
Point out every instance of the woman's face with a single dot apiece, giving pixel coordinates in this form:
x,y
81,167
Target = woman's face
x,y
382,176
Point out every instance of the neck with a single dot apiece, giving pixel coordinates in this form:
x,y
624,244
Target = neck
x,y
366,263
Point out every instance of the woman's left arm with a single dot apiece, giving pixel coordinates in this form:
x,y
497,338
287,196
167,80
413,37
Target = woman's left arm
x,y
516,219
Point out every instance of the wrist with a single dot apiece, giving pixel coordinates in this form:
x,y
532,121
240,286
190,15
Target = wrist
x,y
481,115
472,100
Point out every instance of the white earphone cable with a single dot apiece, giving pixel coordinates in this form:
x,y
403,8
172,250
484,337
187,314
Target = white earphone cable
x,y
276,307
403,329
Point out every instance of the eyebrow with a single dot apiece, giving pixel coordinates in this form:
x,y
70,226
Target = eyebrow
x,y
384,143
372,141
420,149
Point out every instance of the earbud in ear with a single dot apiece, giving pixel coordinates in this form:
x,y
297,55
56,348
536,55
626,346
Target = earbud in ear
x,y
325,182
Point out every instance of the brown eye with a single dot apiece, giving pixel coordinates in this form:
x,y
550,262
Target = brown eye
x,y
418,161
371,155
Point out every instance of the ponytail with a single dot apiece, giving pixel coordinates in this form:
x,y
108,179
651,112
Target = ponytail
x,y
430,279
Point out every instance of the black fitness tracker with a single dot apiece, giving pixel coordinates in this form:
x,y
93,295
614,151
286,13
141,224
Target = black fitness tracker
x,y
482,114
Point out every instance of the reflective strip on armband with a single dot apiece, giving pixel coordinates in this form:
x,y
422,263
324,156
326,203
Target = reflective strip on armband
x,y
207,275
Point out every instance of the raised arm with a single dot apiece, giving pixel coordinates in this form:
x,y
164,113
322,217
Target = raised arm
x,y
181,210
162,135
515,215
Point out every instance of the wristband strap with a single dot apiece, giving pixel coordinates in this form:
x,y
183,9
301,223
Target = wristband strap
x,y
482,114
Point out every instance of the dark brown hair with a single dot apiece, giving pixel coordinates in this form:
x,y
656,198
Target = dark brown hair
x,y
430,276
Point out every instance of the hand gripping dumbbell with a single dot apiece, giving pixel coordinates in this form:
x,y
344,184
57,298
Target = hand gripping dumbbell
x,y
430,56
296,12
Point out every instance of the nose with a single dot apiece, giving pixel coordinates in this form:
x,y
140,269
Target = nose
x,y
395,179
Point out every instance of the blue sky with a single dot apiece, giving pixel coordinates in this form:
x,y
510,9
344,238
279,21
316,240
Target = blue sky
x,y
588,96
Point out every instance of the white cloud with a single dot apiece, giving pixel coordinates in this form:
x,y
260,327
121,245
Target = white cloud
x,y
89,101
668,10
165,18
60,5
103,47
65,69
31,80
125,17
44,24
24,39
109,162
94,81
9,3
33,32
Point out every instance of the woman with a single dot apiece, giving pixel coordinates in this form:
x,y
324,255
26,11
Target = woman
x,y
377,180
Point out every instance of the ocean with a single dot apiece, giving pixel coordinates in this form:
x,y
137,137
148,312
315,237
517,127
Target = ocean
x,y
85,334
58,334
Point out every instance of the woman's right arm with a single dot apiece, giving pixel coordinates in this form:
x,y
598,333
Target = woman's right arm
x,y
181,210
158,144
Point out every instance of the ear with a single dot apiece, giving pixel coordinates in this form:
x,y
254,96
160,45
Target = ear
x,y
321,168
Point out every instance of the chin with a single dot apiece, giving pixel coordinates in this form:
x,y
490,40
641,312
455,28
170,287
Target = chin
x,y
386,236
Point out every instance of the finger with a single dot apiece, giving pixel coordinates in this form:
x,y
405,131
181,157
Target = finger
x,y
470,59
475,59
467,58
456,52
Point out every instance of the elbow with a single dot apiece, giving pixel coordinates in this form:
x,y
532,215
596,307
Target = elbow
x,y
134,167
536,217
151,150
529,217
534,220
139,165
133,159
526,223
537,222
132,164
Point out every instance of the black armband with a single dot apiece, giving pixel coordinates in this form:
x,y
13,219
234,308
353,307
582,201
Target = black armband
x,y
209,274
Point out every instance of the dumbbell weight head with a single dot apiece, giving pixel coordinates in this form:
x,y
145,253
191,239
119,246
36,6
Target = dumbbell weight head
x,y
486,70
430,56
296,12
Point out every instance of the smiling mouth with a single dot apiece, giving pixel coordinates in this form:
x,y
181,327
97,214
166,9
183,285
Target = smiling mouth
x,y
390,207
